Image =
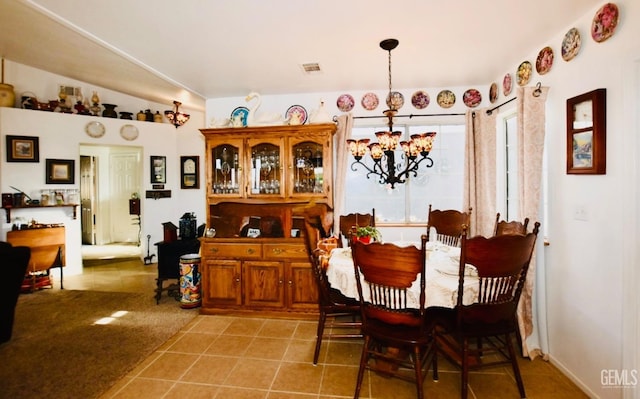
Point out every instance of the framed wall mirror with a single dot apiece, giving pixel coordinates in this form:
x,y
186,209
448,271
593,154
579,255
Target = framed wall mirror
x,y
586,133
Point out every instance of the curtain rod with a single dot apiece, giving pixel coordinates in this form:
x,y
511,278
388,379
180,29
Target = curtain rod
x,y
535,93
490,111
335,118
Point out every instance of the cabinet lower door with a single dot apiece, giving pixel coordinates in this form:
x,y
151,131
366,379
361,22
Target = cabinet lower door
x,y
222,284
302,289
264,284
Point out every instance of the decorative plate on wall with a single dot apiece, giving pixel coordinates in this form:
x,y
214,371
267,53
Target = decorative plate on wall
x,y
524,73
345,103
604,22
472,98
544,62
571,44
420,99
398,100
507,84
129,132
370,101
446,99
95,129
493,92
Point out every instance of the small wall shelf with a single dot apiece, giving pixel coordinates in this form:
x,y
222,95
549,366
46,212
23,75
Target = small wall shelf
x,y
8,210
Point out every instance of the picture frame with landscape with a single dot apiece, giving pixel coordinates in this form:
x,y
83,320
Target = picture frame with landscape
x,y
23,149
60,171
586,133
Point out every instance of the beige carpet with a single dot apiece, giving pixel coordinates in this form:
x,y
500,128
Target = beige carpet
x,y
58,352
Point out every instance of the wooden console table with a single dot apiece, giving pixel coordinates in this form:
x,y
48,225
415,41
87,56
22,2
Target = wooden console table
x,y
47,251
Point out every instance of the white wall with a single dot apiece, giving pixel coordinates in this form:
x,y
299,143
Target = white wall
x,y
588,260
60,136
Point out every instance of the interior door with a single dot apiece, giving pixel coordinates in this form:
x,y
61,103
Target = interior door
x,y
88,166
124,176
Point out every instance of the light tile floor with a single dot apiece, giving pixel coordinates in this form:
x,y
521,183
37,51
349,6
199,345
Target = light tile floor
x,y
252,357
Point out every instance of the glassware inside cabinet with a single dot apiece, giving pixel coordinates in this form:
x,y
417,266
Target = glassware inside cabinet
x,y
225,170
308,172
265,169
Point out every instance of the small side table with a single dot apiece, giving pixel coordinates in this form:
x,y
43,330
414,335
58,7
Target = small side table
x,y
169,254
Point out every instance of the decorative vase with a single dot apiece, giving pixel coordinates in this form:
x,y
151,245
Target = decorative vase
x,y
148,116
126,115
141,116
157,117
109,111
94,98
7,95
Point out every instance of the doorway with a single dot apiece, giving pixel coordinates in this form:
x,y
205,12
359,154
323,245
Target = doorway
x,y
109,177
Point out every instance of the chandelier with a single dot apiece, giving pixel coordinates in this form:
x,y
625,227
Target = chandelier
x,y
176,117
383,153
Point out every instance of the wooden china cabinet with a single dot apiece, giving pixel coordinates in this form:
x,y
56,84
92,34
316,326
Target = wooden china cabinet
x,y
259,180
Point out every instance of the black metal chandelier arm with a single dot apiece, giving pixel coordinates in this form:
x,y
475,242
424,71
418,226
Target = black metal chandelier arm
x,y
377,170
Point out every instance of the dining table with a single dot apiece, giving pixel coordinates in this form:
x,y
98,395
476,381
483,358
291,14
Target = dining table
x,y
441,280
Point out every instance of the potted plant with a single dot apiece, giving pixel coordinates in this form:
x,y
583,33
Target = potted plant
x,y
367,234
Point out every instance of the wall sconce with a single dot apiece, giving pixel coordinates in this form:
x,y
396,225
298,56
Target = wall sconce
x,y
176,117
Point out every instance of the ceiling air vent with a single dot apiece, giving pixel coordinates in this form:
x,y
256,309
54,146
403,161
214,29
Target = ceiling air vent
x,y
312,67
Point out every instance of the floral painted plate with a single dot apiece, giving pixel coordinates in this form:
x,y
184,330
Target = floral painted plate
x,y
524,73
370,101
345,103
472,98
398,100
493,92
446,99
544,62
571,44
604,22
507,84
297,109
420,99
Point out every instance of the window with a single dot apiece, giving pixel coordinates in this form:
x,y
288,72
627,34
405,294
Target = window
x,y
507,166
440,185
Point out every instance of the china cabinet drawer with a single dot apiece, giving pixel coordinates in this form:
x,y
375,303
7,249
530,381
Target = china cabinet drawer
x,y
232,250
282,250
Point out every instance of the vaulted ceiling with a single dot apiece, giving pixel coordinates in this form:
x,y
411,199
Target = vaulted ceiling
x,y
163,50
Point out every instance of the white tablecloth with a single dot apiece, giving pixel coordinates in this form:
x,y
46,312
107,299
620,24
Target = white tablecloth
x,y
441,287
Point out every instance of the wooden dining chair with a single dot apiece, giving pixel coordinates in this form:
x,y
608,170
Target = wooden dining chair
x,y
339,316
466,334
448,225
510,227
347,222
389,325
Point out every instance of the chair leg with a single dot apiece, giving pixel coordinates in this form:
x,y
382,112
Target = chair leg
x,y
464,378
514,364
319,333
364,358
417,365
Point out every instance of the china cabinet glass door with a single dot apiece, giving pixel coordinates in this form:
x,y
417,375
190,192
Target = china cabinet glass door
x,y
266,177
226,176
307,167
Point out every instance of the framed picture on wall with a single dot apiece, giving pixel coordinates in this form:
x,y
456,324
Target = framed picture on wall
x,y
60,171
22,149
189,171
587,133
158,169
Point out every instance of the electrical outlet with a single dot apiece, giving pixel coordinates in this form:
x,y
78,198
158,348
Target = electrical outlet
x,y
580,213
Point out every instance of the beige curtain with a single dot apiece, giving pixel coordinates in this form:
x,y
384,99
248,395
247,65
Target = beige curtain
x,y
531,131
345,125
480,171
